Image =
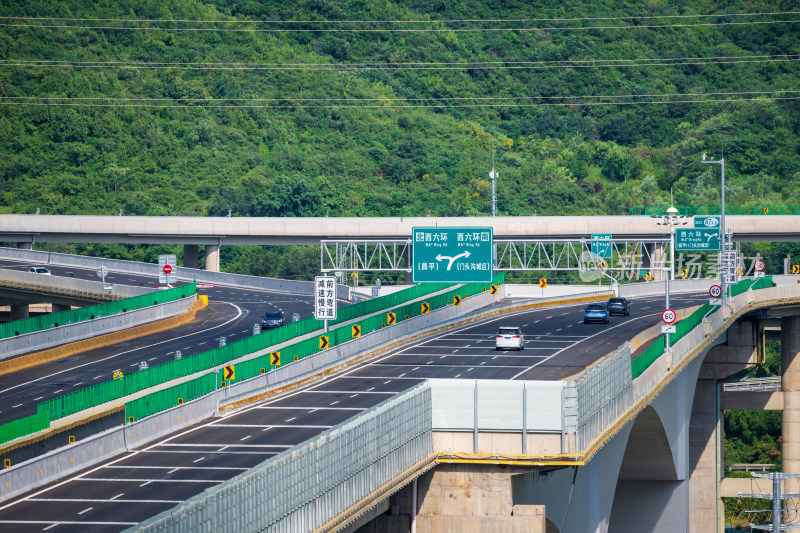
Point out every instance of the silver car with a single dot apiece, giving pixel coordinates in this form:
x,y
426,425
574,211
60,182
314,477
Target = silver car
x,y
509,338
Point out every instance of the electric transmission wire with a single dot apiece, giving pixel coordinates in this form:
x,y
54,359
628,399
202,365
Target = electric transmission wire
x,y
473,65
396,30
403,21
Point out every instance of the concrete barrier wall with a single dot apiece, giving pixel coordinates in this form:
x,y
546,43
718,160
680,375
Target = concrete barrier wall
x,y
150,269
40,340
70,286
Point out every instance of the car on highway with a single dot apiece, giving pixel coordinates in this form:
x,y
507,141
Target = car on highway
x,y
619,306
272,319
509,338
595,313
39,270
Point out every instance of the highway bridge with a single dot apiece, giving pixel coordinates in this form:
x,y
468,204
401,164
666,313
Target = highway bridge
x,y
153,477
211,232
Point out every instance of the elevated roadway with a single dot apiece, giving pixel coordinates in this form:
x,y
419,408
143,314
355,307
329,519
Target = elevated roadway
x,y
214,232
147,480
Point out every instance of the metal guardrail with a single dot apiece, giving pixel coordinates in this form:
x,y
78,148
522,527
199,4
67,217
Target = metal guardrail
x,y
770,384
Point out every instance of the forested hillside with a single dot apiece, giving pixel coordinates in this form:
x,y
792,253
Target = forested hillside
x,y
359,107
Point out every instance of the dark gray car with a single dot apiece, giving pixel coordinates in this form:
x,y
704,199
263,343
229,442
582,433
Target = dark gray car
x,y
619,306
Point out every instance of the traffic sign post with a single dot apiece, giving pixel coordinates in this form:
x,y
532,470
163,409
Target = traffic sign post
x,y
759,268
706,221
167,265
325,299
102,272
668,316
697,240
452,255
715,291
601,245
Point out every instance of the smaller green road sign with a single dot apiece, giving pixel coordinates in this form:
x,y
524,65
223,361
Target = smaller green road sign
x,y
696,240
601,245
452,255
706,221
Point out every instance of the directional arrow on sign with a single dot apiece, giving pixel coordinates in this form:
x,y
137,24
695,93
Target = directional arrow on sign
x,y
426,308
456,300
391,318
324,343
230,373
493,290
356,331
275,358
451,260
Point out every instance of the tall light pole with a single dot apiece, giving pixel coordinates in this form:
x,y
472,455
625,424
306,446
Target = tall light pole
x,y
493,176
721,163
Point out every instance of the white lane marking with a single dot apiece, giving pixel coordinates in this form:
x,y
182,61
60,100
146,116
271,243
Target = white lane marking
x,y
148,481
370,389
202,343
245,438
81,383
97,377
457,376
68,522
198,460
86,510
173,471
290,419
96,500
15,406
238,314
334,403
354,395
401,375
470,369
56,392
39,398
122,493
415,368
51,525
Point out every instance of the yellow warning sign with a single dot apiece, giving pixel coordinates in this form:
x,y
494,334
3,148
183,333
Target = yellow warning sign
x,y
324,343
275,358
356,330
542,283
493,290
391,318
426,308
456,299
118,374
230,373
795,269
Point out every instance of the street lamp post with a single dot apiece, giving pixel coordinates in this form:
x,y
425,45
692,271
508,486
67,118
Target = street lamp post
x,y
723,284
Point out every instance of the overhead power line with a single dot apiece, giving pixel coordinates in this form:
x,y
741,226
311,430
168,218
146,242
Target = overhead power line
x,y
401,21
396,30
474,65
386,104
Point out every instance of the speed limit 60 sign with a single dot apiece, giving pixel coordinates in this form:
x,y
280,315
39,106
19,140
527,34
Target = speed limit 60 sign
x,y
668,316
715,291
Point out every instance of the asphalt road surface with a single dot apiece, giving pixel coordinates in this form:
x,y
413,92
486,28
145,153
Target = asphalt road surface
x,y
231,313
143,482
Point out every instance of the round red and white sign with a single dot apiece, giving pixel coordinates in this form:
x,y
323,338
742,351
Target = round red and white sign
x,y
760,266
715,291
668,316
167,269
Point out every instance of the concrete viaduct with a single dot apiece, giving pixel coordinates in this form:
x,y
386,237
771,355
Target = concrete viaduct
x,y
193,232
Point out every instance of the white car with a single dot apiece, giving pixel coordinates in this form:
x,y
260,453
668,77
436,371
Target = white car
x,y
39,270
508,338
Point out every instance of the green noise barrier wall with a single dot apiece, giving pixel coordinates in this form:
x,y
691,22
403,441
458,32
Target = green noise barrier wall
x,y
53,320
152,404
656,350
100,393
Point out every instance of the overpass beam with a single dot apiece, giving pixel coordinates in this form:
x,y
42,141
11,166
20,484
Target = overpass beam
x,y
19,312
212,257
57,308
790,385
191,255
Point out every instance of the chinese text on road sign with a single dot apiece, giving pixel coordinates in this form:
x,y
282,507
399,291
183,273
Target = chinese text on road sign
x,y
325,297
452,254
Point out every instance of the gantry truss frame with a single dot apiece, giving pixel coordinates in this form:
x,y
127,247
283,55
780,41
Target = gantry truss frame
x,y
376,255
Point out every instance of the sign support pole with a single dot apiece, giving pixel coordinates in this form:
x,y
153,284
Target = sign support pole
x,y
666,339
326,326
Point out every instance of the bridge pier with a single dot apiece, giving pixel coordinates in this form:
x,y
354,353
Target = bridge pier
x,y
19,312
790,385
191,255
27,245
212,257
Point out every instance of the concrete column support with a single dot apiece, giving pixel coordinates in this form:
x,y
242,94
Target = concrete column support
x,y
25,245
658,261
790,384
212,257
57,308
19,312
191,254
703,500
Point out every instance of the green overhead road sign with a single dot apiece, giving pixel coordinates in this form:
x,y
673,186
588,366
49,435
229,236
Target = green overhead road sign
x,y
452,255
601,244
697,240
706,221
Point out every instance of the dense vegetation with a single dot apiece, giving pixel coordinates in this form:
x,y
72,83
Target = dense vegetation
x,y
173,154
